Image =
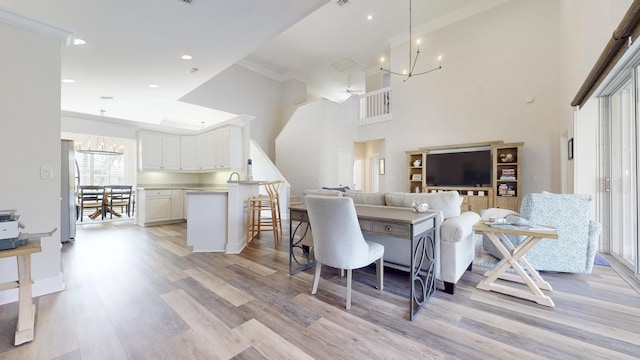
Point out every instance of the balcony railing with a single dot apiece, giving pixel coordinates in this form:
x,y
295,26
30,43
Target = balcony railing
x,y
375,107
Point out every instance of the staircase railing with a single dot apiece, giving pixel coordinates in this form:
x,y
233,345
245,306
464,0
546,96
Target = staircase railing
x,y
375,107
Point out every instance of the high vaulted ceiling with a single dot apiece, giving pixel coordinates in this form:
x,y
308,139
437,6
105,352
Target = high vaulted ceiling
x,y
133,44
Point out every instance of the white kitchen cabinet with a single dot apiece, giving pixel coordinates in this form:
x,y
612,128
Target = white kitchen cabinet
x,y
206,151
154,205
219,149
221,139
157,151
158,206
177,204
150,150
188,153
170,152
158,209
228,148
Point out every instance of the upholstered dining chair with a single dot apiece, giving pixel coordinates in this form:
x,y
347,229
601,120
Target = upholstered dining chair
x,y
338,241
308,237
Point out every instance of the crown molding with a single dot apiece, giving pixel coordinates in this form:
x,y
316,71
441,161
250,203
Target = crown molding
x,y
11,17
263,70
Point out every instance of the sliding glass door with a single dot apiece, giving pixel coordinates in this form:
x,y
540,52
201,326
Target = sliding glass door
x,y
621,182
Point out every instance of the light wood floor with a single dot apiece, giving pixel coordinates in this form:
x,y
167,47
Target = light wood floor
x,y
139,293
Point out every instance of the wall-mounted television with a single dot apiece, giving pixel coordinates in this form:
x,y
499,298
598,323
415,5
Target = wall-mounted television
x,y
459,167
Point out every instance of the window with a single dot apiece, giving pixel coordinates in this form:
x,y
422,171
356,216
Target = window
x,y
100,169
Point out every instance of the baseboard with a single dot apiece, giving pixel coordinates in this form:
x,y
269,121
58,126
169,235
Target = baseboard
x,y
236,248
40,287
625,273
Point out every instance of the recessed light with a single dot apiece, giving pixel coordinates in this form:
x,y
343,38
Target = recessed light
x,y
68,81
106,97
78,41
153,85
186,57
369,17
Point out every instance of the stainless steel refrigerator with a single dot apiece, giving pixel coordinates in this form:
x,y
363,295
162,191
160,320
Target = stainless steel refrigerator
x,y
67,192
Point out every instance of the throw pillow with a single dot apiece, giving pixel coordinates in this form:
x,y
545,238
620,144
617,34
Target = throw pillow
x,y
366,198
341,188
447,201
323,192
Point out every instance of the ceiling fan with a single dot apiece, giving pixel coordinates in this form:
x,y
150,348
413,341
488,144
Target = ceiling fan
x,y
349,90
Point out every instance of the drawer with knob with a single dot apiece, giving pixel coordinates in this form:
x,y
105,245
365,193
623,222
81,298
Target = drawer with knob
x,y
389,228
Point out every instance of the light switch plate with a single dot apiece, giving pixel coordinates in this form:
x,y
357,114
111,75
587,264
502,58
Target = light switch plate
x,y
46,172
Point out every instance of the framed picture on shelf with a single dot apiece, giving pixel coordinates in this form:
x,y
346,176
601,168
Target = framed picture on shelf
x,y
416,177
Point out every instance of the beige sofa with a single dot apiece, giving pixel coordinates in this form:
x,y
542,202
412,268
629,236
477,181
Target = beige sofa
x,y
455,248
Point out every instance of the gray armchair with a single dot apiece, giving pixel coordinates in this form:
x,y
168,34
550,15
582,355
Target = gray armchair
x,y
575,249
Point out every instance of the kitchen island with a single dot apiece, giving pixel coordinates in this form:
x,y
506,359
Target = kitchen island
x,y
207,220
216,218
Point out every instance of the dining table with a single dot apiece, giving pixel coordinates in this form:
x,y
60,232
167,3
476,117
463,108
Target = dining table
x,y
106,207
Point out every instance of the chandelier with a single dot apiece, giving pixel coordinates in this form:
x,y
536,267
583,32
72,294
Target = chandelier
x,y
99,145
412,62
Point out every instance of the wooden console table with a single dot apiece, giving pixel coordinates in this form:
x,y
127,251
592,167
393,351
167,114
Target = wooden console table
x,y
26,309
419,228
513,257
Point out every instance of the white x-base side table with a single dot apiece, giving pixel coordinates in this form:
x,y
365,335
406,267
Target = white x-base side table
x,y
513,257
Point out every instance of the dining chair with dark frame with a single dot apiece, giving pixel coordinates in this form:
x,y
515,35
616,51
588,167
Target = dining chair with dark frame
x,y
89,196
118,195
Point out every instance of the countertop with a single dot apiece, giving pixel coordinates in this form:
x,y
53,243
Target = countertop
x,y
207,192
196,187
244,182
192,187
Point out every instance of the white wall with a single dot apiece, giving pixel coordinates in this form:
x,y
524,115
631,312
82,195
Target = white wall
x,y
586,27
93,125
584,178
30,139
491,63
307,147
241,91
294,93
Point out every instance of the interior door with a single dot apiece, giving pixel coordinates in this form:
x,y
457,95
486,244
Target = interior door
x,y
358,180
374,170
345,168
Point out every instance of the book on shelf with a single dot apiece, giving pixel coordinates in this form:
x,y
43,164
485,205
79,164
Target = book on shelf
x,y
506,190
507,177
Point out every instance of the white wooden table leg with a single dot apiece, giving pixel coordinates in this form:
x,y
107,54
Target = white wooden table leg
x,y
512,256
26,309
540,282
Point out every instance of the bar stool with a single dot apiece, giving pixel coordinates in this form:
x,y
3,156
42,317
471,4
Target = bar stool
x,y
263,212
